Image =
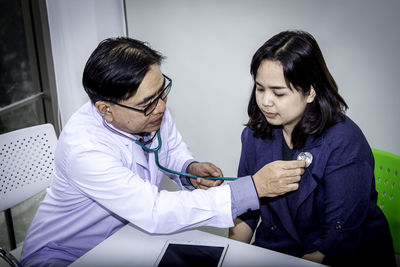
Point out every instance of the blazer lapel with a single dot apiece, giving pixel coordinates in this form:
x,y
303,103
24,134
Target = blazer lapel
x,y
279,204
306,187
307,183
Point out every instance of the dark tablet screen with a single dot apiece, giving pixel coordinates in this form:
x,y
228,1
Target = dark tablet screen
x,y
191,255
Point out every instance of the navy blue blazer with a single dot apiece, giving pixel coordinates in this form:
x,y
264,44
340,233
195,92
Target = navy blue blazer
x,y
333,211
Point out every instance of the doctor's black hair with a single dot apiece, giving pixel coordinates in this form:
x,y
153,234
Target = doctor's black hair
x,y
116,68
303,67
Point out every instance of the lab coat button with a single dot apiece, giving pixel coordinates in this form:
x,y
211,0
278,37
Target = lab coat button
x,y
273,227
338,225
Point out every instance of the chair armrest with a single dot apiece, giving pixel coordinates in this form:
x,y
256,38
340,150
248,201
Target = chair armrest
x,y
9,258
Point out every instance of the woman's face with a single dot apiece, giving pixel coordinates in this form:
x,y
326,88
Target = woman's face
x,y
279,104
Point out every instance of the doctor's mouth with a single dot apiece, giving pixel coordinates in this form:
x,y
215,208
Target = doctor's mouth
x,y
157,122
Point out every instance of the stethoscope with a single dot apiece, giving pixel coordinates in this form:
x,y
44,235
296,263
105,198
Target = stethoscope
x,y
306,156
155,151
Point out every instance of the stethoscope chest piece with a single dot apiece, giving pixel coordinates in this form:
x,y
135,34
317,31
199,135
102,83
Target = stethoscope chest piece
x,y
306,156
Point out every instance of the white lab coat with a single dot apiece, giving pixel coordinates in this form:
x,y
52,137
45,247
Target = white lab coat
x,y
103,180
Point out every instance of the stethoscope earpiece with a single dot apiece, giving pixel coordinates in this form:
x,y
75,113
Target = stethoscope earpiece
x,y
105,112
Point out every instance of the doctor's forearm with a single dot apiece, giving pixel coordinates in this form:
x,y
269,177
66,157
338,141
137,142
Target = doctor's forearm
x,y
185,180
243,196
243,193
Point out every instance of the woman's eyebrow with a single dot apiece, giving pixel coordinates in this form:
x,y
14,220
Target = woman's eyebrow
x,y
277,87
272,87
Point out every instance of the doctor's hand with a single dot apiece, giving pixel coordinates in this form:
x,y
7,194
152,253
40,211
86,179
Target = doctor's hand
x,y
204,169
278,177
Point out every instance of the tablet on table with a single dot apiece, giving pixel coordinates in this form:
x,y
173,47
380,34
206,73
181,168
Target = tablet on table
x,y
191,253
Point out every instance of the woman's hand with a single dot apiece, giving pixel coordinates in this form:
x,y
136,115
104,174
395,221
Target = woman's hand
x,y
204,169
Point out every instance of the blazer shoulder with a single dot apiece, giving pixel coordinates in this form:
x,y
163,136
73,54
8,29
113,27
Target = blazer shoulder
x,y
346,138
247,134
345,130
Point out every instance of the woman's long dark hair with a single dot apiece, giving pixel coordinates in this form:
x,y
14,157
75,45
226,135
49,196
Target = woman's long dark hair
x,y
303,67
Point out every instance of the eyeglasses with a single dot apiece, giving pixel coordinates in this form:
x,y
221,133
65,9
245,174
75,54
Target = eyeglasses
x,y
152,106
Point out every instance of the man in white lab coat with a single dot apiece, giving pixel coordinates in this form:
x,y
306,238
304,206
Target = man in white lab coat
x,y
103,179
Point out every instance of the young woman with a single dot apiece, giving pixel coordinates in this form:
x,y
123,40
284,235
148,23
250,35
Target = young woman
x,y
295,107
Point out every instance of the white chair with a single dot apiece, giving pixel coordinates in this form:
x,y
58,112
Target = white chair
x,y
26,164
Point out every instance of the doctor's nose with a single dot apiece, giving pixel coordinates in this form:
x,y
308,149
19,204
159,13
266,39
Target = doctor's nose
x,y
161,106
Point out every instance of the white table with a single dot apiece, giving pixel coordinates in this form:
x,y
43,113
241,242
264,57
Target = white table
x,y
133,247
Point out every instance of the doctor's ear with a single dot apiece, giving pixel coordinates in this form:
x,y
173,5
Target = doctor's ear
x,y
311,95
104,110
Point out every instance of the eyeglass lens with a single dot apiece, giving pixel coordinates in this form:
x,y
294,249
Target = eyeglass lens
x,y
152,106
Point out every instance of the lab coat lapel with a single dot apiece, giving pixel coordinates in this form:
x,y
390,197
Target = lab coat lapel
x,y
279,204
153,168
138,154
140,159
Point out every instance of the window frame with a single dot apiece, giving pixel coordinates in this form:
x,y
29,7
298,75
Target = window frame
x,y
37,33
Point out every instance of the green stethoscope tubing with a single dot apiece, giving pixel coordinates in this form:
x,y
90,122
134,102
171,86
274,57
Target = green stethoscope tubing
x,y
155,151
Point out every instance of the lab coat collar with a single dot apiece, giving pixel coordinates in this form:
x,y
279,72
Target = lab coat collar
x,y
123,136
138,153
99,120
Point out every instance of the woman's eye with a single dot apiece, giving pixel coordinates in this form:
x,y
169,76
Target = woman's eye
x,y
259,89
278,93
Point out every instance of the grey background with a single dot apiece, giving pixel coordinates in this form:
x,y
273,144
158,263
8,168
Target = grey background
x,y
209,45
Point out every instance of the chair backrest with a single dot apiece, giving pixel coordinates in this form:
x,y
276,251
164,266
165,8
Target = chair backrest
x,y
387,180
26,163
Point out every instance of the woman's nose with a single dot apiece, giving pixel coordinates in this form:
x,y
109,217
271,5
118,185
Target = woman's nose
x,y
267,99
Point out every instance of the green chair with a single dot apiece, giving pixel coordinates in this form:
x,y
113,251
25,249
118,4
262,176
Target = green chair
x,y
387,180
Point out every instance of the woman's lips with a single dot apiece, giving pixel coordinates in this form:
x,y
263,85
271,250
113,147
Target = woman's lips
x,y
270,115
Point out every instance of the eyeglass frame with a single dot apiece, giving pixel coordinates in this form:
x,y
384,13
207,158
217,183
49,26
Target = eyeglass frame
x,y
145,111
